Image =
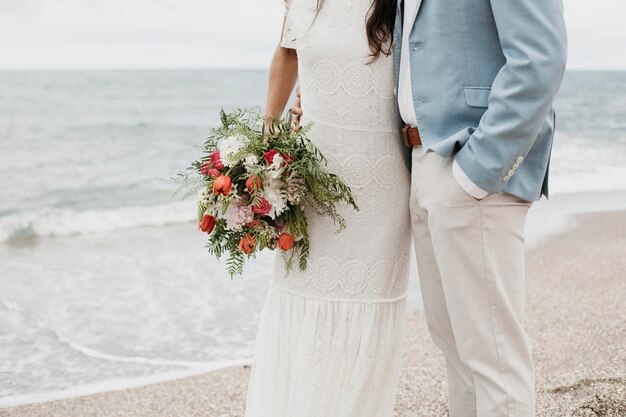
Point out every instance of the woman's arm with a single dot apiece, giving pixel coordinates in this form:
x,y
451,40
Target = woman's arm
x,y
283,77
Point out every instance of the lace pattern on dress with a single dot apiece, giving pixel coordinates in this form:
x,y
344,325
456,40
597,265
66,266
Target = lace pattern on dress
x,y
355,280
288,39
299,15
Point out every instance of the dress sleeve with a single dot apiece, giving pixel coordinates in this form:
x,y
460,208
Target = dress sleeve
x,y
288,39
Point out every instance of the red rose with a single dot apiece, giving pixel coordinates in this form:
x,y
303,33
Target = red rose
x,y
247,244
214,173
254,223
285,241
222,185
205,168
269,155
207,224
254,183
263,207
216,160
288,158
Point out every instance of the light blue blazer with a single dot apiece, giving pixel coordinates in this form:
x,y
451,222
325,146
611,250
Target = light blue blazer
x,y
484,75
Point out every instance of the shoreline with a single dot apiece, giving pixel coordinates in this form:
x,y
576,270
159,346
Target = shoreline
x,y
557,215
561,204
576,215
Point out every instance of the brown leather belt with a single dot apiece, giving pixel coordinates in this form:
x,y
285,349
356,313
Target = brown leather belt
x,y
411,136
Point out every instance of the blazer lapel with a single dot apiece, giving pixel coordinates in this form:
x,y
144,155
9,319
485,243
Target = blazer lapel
x,y
417,10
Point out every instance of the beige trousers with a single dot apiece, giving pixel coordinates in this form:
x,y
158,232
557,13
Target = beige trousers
x,y
470,257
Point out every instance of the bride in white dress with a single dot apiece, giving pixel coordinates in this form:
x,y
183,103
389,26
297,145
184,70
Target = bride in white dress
x,y
330,339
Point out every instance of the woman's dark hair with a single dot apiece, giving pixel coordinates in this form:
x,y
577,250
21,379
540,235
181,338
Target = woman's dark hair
x,y
379,26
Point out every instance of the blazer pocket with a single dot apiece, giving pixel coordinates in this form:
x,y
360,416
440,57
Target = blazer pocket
x,y
477,96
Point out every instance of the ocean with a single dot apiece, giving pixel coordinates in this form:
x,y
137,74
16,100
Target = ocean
x,y
104,280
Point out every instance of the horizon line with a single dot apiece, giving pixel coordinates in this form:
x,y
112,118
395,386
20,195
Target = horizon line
x,y
191,68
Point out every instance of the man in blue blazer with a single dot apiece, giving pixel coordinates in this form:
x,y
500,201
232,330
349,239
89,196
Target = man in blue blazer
x,y
476,80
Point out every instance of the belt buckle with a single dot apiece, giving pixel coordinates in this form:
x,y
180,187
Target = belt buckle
x,y
406,135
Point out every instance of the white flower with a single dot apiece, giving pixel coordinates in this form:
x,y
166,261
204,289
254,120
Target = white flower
x,y
276,168
204,195
229,146
250,160
275,194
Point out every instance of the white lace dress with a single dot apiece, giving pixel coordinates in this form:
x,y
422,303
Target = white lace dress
x,y
330,339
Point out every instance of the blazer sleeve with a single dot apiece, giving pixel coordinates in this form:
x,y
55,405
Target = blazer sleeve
x,y
534,42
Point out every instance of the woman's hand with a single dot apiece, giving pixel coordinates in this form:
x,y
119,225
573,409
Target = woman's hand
x,y
296,110
268,122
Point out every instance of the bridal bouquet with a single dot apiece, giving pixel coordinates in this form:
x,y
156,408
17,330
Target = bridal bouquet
x,y
253,184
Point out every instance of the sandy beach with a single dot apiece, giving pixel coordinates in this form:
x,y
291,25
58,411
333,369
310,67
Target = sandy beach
x,y
576,317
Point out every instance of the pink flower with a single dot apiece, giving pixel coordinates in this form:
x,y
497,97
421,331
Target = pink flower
x,y
214,173
269,155
263,207
205,169
216,160
238,215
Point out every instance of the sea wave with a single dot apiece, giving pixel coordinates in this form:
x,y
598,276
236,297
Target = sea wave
x,y
53,222
178,368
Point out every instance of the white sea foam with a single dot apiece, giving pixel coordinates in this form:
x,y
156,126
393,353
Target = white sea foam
x,y
44,324
51,222
600,178
580,164
118,384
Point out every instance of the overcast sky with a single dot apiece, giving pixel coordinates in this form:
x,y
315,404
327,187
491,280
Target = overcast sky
x,y
52,34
